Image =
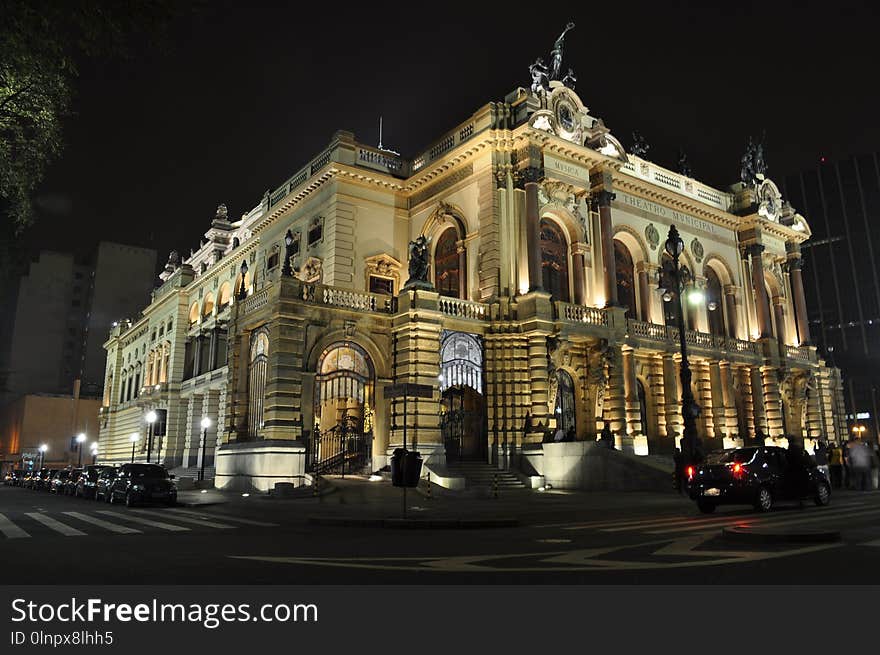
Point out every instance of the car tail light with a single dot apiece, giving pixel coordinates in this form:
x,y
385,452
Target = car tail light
x,y
739,471
690,472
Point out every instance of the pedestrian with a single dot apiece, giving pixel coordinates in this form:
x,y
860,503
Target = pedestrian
x,y
835,460
847,474
860,465
875,466
820,454
797,478
560,435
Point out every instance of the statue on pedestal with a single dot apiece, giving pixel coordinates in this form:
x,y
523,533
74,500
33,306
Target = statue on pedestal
x,y
418,264
556,53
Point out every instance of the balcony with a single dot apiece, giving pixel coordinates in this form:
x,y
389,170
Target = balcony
x,y
467,309
697,341
571,313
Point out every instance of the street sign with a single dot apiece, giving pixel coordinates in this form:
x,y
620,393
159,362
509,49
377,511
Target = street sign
x,y
409,389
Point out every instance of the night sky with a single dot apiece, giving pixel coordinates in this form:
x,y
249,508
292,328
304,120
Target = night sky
x,y
244,95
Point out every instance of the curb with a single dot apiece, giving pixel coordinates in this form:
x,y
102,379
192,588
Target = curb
x,y
758,536
455,524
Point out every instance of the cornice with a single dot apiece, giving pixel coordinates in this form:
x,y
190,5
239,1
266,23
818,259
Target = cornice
x,y
647,191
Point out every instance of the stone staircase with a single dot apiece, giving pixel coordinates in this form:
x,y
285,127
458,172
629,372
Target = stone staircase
x,y
193,472
482,475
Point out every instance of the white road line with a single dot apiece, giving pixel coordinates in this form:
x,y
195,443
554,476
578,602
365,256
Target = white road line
x,y
876,542
208,524
94,520
234,519
694,521
783,520
137,519
12,531
58,526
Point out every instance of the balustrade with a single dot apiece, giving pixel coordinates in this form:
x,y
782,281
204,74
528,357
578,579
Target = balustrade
x,y
463,308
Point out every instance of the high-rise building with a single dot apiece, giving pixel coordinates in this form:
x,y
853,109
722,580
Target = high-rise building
x,y
64,309
841,270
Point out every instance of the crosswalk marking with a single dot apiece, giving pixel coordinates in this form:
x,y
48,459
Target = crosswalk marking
x,y
234,519
777,520
94,520
138,519
209,524
58,526
11,530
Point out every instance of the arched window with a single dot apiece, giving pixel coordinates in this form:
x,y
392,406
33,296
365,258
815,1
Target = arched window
x,y
461,361
223,297
447,271
714,305
343,385
257,370
626,283
554,261
208,305
194,313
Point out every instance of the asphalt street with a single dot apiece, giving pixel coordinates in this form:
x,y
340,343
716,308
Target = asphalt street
x,y
567,538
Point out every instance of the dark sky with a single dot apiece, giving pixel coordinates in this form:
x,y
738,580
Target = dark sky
x,y
248,92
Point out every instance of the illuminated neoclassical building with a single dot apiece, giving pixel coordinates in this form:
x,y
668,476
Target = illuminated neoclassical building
x,y
288,326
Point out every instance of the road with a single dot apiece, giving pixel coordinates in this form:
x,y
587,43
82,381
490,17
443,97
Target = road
x,y
566,538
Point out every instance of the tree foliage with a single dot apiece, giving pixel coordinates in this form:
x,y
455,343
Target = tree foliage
x,y
40,45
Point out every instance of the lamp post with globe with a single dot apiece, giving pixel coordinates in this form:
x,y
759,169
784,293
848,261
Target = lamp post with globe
x,y
690,410
206,423
80,440
134,439
151,419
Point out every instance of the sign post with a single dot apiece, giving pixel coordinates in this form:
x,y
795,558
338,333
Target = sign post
x,y
406,389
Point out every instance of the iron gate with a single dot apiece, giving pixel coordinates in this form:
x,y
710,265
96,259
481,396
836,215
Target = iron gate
x,y
344,448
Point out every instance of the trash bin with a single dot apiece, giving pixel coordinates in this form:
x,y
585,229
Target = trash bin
x,y
406,468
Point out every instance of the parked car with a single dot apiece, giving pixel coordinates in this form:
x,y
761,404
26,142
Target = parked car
x,y
27,480
141,483
58,480
757,476
70,482
13,478
43,479
88,478
103,483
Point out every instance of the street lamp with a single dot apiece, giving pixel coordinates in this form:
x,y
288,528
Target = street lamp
x,y
206,423
242,291
80,440
690,410
151,418
43,450
134,439
94,451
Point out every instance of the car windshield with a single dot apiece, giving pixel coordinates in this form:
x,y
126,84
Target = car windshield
x,y
738,456
148,471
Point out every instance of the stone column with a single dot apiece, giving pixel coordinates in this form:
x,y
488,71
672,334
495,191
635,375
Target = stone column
x,y
800,302
674,420
772,401
730,309
210,407
703,394
577,273
462,271
533,230
191,437
644,292
745,422
539,383
779,313
716,388
758,411
728,402
631,393
197,356
762,302
604,199
657,393
614,406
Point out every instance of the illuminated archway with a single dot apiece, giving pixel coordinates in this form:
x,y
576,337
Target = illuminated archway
x,y
554,261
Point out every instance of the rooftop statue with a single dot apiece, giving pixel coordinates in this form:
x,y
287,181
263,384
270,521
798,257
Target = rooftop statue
x,y
759,164
540,81
556,54
569,79
639,147
747,165
684,166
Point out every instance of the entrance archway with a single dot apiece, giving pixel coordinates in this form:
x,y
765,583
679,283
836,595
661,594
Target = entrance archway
x,y
462,404
344,402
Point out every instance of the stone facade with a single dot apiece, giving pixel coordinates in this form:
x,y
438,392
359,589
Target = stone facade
x,y
547,246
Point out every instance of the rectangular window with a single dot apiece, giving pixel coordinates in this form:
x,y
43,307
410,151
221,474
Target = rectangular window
x,y
315,233
272,262
381,285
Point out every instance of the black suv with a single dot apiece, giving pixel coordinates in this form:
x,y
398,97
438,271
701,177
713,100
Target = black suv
x,y
140,483
757,476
